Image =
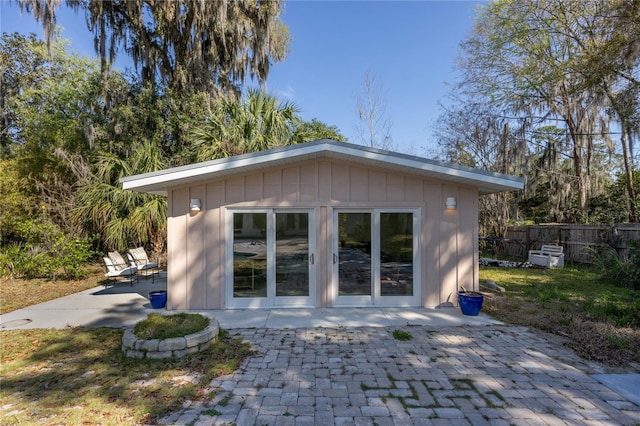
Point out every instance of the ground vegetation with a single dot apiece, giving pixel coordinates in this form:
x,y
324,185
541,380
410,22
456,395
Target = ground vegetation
x,y
71,375
575,305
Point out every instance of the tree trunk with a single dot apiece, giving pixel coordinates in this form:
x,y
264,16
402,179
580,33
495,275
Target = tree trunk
x,y
505,170
633,212
578,166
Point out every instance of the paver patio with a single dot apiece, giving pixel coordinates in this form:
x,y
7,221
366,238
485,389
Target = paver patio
x,y
469,375
482,372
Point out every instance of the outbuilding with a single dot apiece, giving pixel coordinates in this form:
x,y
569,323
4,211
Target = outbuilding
x,y
320,224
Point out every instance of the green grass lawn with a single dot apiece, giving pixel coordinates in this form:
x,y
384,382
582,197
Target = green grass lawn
x,y
600,320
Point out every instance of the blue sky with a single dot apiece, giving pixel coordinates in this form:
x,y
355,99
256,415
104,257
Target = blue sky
x,y
409,47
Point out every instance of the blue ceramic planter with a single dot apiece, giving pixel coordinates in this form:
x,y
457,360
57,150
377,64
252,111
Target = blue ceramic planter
x,y
158,299
470,302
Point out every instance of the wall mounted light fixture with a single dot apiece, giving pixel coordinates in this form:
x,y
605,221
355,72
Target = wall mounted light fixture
x,y
194,205
451,203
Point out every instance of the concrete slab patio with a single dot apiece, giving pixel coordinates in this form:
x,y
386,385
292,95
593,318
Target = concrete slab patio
x,y
344,367
627,385
122,305
118,305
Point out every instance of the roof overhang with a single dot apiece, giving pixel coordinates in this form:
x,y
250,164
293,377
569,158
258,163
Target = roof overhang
x,y
159,182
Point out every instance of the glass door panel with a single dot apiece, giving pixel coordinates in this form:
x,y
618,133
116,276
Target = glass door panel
x,y
354,254
292,254
270,259
249,255
396,254
376,257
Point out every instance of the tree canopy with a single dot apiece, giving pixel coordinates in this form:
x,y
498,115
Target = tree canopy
x,y
185,44
70,131
562,79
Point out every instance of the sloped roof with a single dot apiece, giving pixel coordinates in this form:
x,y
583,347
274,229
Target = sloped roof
x,y
158,182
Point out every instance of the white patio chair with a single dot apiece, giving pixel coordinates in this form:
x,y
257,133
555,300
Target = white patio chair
x,y
117,260
138,257
114,272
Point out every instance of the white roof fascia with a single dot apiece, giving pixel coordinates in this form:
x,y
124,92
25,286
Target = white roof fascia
x,y
177,175
158,182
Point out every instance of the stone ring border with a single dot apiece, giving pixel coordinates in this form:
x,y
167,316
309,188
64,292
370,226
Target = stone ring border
x,y
178,347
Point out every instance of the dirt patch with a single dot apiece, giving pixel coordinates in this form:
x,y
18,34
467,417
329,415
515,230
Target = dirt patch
x,y
605,343
18,293
616,349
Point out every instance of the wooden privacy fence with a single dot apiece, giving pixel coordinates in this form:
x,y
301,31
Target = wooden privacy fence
x,y
579,241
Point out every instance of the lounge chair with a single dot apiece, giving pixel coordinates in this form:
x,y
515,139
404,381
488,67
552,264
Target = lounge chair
x,y
138,257
113,272
117,260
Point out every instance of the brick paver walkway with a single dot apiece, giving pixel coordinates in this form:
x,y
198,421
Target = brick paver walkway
x,y
492,375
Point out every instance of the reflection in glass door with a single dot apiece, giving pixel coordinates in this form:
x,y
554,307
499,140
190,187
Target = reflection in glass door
x,y
354,254
396,254
354,257
249,255
292,254
375,257
270,259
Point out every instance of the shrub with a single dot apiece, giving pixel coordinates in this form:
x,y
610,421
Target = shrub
x,y
45,252
158,326
619,271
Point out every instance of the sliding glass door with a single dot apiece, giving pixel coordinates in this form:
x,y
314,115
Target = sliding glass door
x,y
375,257
270,258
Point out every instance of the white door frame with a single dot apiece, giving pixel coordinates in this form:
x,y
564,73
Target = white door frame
x,y
357,300
376,298
271,300
405,301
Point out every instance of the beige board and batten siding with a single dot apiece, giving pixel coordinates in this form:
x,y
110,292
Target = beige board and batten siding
x,y
196,242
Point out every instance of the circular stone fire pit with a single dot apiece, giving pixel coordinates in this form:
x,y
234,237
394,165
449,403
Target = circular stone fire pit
x,y
178,347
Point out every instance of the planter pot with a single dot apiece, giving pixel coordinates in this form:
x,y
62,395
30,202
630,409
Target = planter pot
x,y
158,299
470,302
